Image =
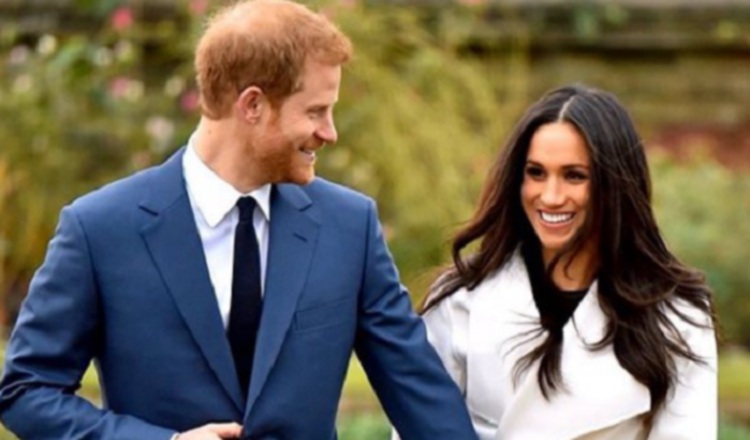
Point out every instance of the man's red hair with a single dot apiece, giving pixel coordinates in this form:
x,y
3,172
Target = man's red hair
x,y
264,43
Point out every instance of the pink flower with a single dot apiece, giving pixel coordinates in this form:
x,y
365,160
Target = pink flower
x,y
122,18
198,7
18,56
119,86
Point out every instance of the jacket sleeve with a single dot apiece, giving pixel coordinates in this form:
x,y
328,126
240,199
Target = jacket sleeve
x,y
419,397
55,338
447,331
691,411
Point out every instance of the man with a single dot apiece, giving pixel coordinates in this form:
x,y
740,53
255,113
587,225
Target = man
x,y
218,296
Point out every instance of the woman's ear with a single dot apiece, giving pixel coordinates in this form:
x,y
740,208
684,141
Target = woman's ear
x,y
250,104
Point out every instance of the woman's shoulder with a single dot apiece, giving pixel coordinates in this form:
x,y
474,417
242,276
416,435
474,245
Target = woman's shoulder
x,y
686,315
691,326
444,304
464,298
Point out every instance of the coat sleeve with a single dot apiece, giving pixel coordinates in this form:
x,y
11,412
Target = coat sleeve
x,y
447,331
691,411
55,338
419,397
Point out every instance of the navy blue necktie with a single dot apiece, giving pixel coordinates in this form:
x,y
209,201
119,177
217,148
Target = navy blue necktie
x,y
244,315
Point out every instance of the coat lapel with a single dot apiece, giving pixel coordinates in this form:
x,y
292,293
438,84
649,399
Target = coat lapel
x,y
502,315
293,235
598,392
175,246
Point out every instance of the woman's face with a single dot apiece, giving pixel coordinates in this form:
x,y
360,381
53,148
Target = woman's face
x,y
555,192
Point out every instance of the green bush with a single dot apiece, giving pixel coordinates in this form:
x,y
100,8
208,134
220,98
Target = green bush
x,y
702,209
78,110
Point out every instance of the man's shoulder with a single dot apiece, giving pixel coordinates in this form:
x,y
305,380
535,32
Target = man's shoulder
x,y
115,195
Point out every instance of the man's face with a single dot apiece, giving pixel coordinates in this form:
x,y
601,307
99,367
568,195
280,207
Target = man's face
x,y
290,135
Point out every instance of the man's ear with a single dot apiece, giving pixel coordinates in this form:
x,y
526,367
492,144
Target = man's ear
x,y
250,104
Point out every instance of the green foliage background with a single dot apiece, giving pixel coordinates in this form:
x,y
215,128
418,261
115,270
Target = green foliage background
x,y
420,121
701,206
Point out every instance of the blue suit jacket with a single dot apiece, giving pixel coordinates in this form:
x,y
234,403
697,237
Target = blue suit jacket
x,y
125,283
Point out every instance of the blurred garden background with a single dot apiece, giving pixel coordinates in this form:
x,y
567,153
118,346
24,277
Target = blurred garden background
x,y
93,90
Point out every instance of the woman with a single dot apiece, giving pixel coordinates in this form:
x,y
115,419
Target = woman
x,y
571,319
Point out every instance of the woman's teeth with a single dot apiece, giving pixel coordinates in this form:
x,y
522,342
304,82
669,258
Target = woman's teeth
x,y
556,218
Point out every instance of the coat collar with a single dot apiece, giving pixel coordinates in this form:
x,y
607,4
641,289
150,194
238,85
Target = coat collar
x,y
598,392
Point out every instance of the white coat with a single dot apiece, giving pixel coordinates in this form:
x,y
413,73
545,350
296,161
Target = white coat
x,y
475,334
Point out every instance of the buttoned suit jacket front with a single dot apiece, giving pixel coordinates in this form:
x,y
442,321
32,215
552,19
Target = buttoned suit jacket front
x,y
125,283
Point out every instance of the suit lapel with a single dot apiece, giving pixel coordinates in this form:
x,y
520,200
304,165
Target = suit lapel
x,y
598,392
175,246
293,235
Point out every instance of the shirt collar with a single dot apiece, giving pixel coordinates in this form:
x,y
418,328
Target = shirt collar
x,y
213,196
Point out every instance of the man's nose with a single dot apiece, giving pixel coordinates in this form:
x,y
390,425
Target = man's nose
x,y
327,131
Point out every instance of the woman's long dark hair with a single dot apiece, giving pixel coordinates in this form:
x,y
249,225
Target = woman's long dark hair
x,y
639,280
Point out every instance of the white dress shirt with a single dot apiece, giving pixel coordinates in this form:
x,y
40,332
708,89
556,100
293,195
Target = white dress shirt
x,y
213,202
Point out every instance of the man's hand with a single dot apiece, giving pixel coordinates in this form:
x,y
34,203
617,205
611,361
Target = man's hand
x,y
213,431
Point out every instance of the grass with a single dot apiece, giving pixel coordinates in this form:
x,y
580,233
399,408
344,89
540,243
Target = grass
x,y
729,431
734,380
